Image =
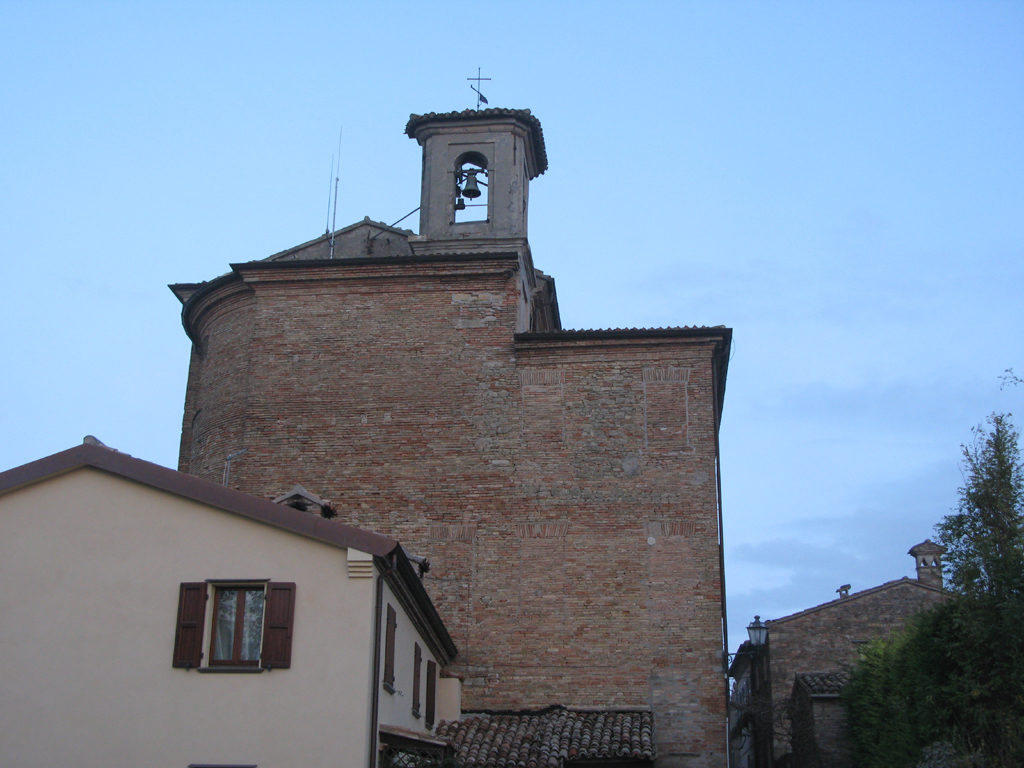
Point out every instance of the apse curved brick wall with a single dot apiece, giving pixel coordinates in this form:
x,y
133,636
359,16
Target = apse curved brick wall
x,y
563,486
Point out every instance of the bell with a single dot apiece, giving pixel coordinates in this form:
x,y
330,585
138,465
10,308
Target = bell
x,y
470,188
460,204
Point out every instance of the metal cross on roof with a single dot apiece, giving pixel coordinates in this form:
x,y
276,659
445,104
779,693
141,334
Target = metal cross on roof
x,y
480,98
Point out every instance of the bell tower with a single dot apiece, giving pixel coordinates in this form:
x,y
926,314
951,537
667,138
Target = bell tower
x,y
477,167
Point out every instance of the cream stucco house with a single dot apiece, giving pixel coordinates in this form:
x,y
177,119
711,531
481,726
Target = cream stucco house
x,y
148,617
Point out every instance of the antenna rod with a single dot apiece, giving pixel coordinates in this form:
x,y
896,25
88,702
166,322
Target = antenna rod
x,y
327,223
227,464
337,178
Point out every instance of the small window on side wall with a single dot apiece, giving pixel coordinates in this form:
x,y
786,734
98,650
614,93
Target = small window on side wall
x,y
250,626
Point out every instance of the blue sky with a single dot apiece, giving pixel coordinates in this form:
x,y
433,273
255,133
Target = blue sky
x,y
840,183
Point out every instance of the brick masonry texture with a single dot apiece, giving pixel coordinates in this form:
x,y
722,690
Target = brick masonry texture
x,y
564,488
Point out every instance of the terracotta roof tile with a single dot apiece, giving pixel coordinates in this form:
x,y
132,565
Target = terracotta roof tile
x,y
549,737
823,683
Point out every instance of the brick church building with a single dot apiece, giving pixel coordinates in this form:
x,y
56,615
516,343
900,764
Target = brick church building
x,y
563,484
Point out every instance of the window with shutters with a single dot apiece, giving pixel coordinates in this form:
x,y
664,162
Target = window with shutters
x,y
417,663
237,626
431,693
389,649
249,625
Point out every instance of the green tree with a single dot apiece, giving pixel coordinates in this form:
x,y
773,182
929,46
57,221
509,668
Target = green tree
x,y
984,627
952,684
985,536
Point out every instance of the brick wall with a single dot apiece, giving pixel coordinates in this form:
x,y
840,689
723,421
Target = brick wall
x,y
562,485
830,733
826,638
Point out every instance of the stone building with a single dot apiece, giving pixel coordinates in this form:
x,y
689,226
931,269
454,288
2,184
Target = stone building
x,y
810,653
564,484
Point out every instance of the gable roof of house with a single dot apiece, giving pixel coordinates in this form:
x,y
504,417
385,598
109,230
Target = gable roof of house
x,y
901,582
95,455
549,737
200,490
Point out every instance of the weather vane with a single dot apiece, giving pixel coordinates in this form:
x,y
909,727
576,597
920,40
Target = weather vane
x,y
480,98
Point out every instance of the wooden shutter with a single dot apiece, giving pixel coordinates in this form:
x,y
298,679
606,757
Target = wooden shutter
x,y
431,693
389,650
188,637
278,618
417,664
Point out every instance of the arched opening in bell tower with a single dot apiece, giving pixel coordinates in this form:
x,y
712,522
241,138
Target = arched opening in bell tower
x,y
471,188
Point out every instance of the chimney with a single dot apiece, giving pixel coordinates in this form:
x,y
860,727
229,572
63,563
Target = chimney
x,y
928,557
301,499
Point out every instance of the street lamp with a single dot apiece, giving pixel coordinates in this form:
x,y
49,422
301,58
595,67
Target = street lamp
x,y
757,632
760,686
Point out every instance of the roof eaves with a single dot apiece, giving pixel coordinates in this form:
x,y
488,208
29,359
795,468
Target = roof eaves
x,y
718,331
403,570
433,258
523,115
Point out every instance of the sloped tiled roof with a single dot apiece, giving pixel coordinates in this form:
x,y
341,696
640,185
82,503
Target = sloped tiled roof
x,y
823,683
549,737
